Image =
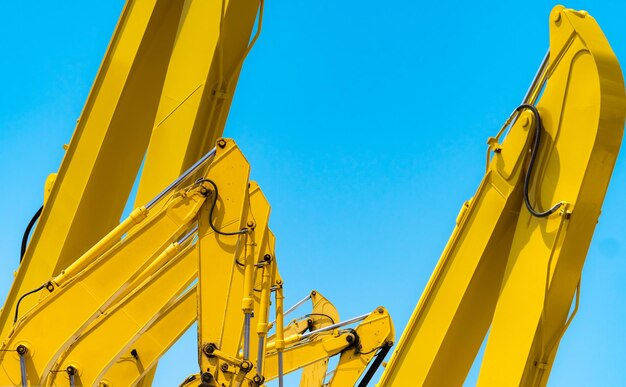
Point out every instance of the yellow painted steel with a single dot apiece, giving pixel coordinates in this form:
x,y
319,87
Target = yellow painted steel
x,y
264,283
169,74
78,299
211,44
146,82
227,260
448,325
323,314
107,339
103,155
176,319
113,298
503,263
116,292
154,342
582,108
213,40
279,341
297,356
375,332
356,347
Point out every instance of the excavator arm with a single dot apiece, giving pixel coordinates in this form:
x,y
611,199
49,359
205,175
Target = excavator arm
x,y
134,275
169,74
356,348
323,314
514,260
95,303
126,290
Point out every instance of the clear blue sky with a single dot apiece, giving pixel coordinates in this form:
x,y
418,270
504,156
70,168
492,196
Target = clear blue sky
x,y
365,124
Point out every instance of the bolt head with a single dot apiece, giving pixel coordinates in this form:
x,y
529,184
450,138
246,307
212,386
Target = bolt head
x,y
246,366
208,349
206,377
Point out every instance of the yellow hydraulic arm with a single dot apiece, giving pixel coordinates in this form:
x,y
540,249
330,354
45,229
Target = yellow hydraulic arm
x,y
154,340
95,303
140,355
372,337
323,314
583,108
310,351
169,74
108,338
105,288
143,353
515,258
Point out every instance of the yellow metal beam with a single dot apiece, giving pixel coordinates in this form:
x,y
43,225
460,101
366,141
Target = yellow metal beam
x,y
212,43
582,109
76,300
230,241
154,342
375,333
451,319
171,324
297,356
110,336
98,171
357,347
323,314
167,80
500,254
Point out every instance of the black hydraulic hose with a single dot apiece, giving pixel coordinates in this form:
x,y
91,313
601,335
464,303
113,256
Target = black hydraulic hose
x,y
17,306
240,232
378,360
29,228
332,321
531,163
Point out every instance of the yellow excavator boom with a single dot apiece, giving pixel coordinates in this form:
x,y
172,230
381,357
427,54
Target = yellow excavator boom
x,y
98,302
514,261
120,288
